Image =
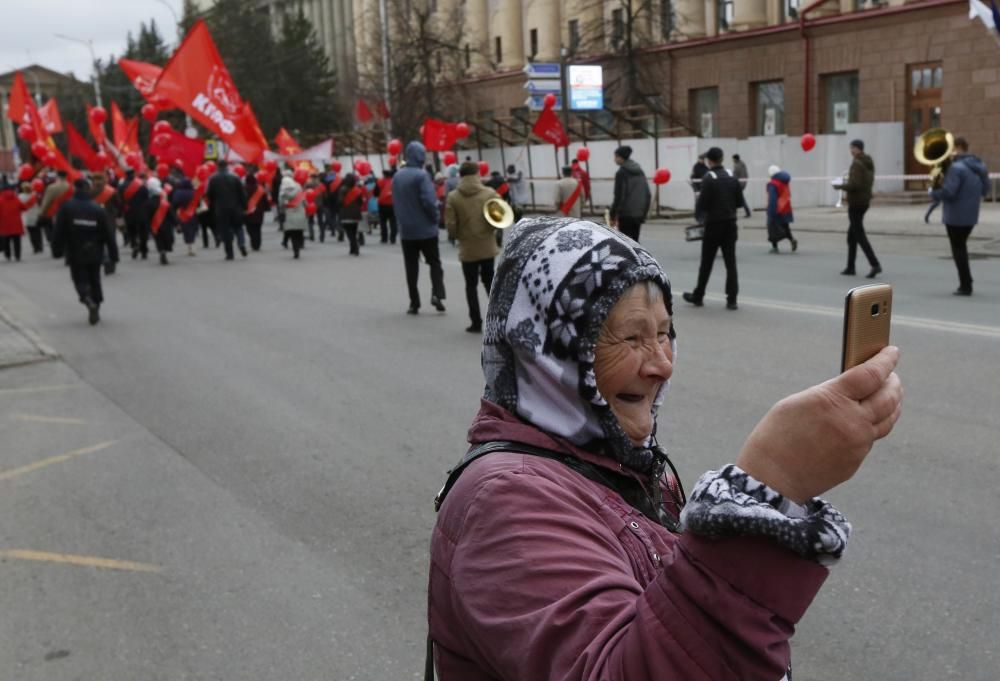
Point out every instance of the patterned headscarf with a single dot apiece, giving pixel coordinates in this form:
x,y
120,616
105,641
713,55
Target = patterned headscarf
x,y
556,283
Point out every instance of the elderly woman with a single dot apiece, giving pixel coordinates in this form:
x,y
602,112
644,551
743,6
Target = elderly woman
x,y
291,198
565,549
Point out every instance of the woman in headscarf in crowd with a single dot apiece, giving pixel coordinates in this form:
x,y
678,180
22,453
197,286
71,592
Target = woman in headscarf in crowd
x,y
161,218
565,547
290,197
779,208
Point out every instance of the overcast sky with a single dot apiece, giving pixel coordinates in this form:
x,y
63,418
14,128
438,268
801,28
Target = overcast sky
x,y
28,27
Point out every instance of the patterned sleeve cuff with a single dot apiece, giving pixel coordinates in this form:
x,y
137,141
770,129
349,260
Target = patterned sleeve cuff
x,y
729,502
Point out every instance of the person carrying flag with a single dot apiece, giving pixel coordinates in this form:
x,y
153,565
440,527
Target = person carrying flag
x,y
569,194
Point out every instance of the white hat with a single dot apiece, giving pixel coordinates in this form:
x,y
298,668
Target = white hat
x,y
154,186
773,170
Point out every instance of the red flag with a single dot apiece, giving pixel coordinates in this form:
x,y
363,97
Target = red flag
x,y
382,109
362,112
550,129
49,113
197,81
144,77
287,145
190,152
119,127
439,135
20,104
78,147
132,138
96,131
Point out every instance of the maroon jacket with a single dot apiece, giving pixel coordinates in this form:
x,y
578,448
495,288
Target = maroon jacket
x,y
539,574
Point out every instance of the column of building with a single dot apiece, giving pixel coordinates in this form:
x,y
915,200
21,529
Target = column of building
x,y
476,29
540,29
506,26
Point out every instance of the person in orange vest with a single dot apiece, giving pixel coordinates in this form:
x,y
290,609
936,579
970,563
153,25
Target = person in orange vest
x,y
135,196
105,196
386,213
258,203
55,195
569,194
580,173
352,199
779,209
162,218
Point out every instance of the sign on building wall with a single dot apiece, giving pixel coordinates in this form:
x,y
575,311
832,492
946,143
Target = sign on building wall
x,y
586,87
841,116
770,121
707,124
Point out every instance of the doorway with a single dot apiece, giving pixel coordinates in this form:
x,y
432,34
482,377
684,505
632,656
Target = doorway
x,y
923,111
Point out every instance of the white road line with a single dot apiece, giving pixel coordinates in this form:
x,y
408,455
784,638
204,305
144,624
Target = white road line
x,y
897,320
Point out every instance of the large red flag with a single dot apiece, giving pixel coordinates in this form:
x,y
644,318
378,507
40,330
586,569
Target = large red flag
x,y
119,127
439,135
197,81
287,145
132,138
78,147
550,129
20,104
51,119
143,76
96,131
362,112
190,152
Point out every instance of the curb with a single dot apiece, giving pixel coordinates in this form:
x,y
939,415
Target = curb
x,y
45,351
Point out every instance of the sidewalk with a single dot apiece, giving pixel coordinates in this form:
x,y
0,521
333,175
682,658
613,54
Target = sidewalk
x,y
19,345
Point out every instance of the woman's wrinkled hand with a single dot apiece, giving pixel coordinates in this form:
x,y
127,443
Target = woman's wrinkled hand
x,y
814,440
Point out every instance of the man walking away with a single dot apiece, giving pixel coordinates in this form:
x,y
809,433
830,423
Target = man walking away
x,y
741,174
965,184
227,201
416,207
106,197
718,201
386,213
779,209
858,188
632,196
135,196
53,198
477,246
569,194
82,232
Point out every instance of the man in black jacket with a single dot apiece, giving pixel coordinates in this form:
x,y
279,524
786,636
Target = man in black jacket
x,y
631,201
134,196
227,200
82,233
717,203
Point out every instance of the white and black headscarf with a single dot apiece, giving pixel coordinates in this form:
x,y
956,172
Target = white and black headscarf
x,y
555,285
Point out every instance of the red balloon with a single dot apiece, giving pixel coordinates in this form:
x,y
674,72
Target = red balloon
x,y
393,160
583,154
161,127
25,172
301,175
310,195
449,158
161,141
262,177
26,131
662,176
162,170
484,168
394,147
270,165
549,100
336,166
133,160
51,159
310,209
808,141
98,115
102,159
202,172
211,167
39,149
148,111
365,168
37,185
240,170
462,129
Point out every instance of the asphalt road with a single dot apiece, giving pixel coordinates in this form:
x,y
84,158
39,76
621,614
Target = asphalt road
x,y
257,444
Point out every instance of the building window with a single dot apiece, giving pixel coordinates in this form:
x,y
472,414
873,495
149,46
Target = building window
x,y
574,35
840,97
533,42
789,9
725,14
666,18
769,112
704,107
617,28
498,50
468,56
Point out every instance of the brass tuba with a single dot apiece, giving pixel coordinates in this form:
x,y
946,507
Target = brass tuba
x,y
934,148
498,213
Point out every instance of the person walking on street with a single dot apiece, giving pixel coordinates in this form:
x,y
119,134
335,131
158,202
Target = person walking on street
x,y
162,219
352,200
227,201
569,194
860,179
106,197
740,173
477,246
966,183
30,216
580,173
719,199
181,198
11,221
82,233
258,203
386,214
632,196
779,209
134,198
54,196
416,206
291,197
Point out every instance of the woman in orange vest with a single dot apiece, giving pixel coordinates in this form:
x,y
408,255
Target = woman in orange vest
x,y
779,209
352,202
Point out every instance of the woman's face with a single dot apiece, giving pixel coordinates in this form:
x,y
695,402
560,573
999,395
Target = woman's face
x,y
633,359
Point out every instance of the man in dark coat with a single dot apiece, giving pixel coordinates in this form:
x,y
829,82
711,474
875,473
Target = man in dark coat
x,y
135,196
717,203
965,184
860,179
82,233
227,200
632,197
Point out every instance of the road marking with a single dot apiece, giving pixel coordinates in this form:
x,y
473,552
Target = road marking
x,y
47,419
31,467
36,389
85,561
897,320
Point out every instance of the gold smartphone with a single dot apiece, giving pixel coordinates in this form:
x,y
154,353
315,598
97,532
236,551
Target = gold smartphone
x,y
867,314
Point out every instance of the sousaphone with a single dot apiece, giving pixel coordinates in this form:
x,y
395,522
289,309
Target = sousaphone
x,y
498,213
934,148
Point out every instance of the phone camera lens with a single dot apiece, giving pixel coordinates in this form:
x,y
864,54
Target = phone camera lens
x,y
874,309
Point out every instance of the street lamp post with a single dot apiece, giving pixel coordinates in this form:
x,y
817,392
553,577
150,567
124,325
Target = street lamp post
x,y
93,58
